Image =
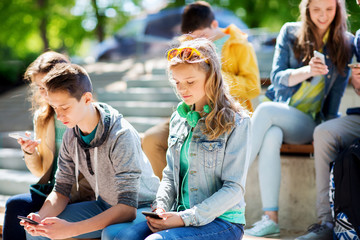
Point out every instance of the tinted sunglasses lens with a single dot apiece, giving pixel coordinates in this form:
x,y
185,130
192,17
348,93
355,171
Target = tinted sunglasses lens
x,y
186,53
172,53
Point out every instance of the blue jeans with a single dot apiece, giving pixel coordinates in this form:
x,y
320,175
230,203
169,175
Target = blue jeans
x,y
84,210
272,124
21,204
217,229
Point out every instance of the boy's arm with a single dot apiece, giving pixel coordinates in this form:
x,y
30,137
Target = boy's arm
x,y
241,72
54,204
56,228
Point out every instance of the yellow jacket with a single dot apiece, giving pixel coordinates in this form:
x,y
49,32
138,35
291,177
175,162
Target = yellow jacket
x,y
40,163
239,67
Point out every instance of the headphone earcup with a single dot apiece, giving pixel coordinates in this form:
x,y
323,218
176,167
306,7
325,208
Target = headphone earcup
x,y
193,118
183,109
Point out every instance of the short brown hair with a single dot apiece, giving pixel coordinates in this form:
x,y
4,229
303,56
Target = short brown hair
x,y
196,16
68,77
42,65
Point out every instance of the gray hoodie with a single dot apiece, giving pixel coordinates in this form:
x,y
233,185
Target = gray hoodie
x,y
114,164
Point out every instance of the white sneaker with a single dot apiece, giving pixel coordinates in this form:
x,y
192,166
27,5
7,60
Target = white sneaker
x,y
264,227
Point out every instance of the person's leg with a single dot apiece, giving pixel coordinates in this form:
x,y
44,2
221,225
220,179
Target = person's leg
x,y
270,172
21,204
154,145
217,229
272,124
77,212
297,127
329,139
110,232
137,231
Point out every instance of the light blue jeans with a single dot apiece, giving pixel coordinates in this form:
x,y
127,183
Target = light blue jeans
x,y
272,124
84,210
217,229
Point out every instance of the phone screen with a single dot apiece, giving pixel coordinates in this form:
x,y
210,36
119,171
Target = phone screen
x,y
320,55
28,220
151,214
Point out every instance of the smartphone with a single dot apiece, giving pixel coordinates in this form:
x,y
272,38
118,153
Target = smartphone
x,y
319,55
28,220
354,65
22,135
151,214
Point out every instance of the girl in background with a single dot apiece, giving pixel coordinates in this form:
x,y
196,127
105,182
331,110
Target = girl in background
x,y
305,91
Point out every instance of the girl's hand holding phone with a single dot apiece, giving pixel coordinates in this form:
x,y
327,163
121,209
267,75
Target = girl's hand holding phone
x,y
28,144
169,220
317,67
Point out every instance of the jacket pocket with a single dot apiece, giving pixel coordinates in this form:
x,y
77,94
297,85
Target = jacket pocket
x,y
211,153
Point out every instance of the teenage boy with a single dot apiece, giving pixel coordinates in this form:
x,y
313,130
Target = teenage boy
x,y
105,148
239,69
329,139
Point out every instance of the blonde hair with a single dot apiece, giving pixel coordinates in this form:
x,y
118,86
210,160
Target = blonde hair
x,y
42,65
221,119
339,49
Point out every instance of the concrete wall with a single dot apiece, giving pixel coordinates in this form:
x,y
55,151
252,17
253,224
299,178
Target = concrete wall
x,y
297,193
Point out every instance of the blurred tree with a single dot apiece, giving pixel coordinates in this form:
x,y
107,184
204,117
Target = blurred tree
x,y
29,27
271,14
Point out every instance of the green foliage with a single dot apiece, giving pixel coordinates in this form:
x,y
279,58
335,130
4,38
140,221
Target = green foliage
x,y
29,27
272,14
354,15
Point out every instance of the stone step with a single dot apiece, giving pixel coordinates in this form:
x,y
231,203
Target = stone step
x,y
3,199
15,182
151,83
159,70
141,124
138,94
12,158
141,108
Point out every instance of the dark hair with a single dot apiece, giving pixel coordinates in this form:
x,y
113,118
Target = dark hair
x,y
42,65
195,16
338,46
70,78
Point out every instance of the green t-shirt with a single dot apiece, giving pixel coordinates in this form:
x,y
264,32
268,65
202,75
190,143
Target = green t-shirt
x,y
237,216
88,138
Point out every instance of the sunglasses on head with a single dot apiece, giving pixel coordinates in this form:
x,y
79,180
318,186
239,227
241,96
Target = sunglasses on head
x,y
185,53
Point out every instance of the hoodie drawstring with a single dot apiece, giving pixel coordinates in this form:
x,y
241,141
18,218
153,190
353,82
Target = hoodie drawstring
x,y
76,166
96,173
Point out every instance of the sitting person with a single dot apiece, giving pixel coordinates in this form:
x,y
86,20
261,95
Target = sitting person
x,y
329,139
305,91
102,146
201,195
239,69
40,158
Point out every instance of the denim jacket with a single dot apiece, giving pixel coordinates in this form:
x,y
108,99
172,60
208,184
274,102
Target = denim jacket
x,y
217,171
284,63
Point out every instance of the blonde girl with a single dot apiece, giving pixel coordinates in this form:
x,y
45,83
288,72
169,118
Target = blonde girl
x,y
201,195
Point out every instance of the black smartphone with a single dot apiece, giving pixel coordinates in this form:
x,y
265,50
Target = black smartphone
x,y
27,220
151,214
